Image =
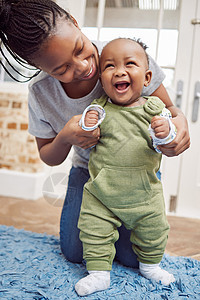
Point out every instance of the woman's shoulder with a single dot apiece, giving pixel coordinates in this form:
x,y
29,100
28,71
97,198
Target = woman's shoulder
x,y
41,80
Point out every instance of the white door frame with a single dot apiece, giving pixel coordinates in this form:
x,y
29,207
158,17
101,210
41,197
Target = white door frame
x,y
180,173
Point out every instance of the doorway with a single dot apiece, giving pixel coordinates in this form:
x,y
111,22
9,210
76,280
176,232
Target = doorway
x,y
181,175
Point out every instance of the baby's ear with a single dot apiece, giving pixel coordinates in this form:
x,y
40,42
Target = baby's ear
x,y
148,76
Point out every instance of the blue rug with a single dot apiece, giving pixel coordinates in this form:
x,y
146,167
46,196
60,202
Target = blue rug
x,y
32,267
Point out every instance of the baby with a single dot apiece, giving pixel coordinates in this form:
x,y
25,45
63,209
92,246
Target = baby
x,y
123,186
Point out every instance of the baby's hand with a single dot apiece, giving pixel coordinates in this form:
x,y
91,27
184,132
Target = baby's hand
x,y
91,118
160,125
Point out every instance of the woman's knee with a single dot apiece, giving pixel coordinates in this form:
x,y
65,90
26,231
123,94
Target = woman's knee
x,y
70,244
72,250
124,252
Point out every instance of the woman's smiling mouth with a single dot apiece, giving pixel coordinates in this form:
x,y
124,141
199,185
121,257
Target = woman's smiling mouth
x,y
91,72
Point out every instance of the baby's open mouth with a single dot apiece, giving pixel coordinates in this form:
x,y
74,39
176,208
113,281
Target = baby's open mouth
x,y
122,85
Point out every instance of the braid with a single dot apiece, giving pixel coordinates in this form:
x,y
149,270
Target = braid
x,y
24,27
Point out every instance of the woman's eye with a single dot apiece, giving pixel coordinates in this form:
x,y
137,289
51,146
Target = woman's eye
x,y
80,50
63,72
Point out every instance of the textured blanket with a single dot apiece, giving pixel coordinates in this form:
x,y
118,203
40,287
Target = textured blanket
x,y
32,267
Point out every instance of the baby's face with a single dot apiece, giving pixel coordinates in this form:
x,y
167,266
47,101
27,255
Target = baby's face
x,y
124,71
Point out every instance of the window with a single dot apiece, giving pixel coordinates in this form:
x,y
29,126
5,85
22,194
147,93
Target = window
x,y
154,21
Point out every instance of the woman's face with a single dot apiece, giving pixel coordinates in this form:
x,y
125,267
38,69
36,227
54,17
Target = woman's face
x,y
68,55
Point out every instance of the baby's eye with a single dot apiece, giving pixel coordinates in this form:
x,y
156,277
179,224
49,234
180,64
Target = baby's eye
x,y
109,66
131,63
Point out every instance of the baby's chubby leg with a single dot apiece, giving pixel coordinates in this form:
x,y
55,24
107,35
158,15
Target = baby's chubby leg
x,y
154,272
96,281
98,233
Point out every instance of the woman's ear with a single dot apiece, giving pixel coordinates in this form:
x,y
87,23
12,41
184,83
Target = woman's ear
x,y
74,21
148,77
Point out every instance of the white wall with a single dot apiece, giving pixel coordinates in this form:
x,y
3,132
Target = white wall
x,y
118,17
131,17
76,8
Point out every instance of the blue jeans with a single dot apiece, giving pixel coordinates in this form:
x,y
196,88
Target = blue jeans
x,y
71,246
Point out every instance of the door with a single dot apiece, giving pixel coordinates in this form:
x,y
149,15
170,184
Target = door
x,y
181,175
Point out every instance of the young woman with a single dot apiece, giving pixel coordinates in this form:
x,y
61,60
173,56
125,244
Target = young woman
x,y
44,35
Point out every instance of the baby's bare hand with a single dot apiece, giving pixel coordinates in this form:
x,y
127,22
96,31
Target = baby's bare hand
x,y
160,125
91,118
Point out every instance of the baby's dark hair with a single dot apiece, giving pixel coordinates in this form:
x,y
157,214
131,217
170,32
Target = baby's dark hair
x,y
143,45
138,41
24,27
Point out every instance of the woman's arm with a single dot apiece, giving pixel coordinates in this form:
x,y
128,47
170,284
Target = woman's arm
x,y
54,151
182,140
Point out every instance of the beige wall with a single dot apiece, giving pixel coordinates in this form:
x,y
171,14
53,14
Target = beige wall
x,y
18,149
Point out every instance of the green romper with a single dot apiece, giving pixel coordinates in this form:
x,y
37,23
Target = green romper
x,y
123,188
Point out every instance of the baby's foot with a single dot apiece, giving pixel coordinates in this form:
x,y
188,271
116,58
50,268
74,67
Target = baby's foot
x,y
96,281
154,272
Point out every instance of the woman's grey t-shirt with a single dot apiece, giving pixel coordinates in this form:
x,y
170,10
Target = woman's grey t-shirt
x,y
50,108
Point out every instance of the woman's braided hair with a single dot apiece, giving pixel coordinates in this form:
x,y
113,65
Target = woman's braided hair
x,y
24,27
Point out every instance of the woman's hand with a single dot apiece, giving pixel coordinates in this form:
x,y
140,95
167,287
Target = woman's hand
x,y
53,151
73,134
182,140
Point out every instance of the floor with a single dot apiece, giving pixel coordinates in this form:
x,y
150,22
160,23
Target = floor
x,y
43,216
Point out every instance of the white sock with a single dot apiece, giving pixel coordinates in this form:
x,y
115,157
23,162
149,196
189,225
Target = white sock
x,y
154,272
96,281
